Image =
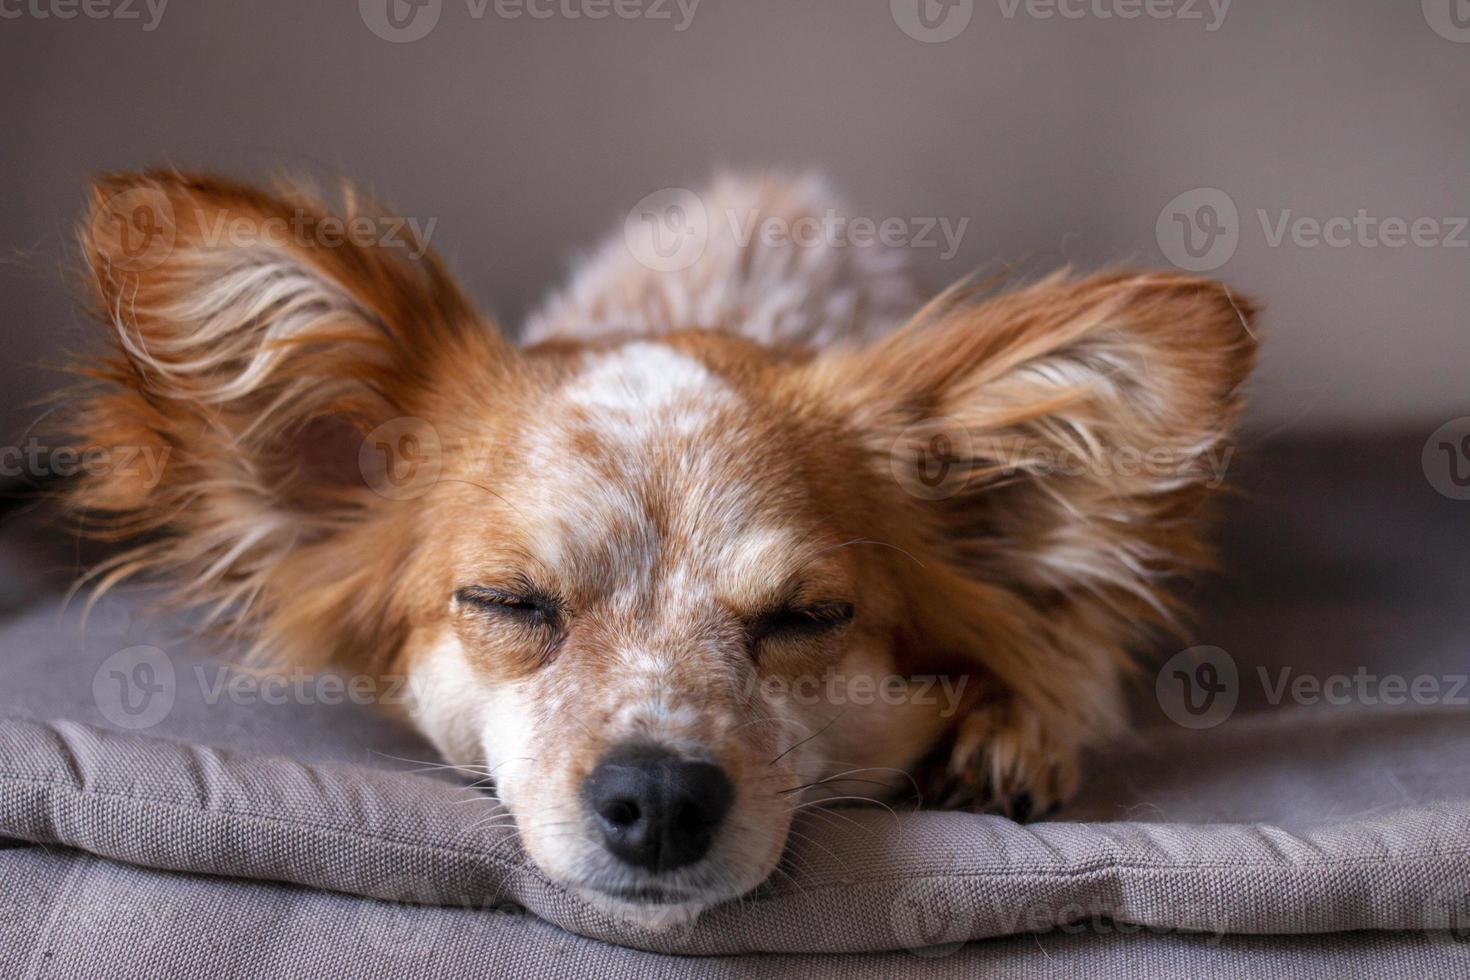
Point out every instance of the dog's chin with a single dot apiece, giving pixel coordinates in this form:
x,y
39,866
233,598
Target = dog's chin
x,y
651,911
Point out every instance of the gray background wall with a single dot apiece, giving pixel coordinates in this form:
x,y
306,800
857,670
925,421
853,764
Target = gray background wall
x,y
1061,139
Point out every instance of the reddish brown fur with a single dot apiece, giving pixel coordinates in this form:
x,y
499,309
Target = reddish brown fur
x,y
1035,582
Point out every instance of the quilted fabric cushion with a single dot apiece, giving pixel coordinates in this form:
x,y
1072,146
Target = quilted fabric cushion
x,y
1295,821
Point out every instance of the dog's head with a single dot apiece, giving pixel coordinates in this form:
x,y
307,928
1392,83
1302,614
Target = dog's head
x,y
664,584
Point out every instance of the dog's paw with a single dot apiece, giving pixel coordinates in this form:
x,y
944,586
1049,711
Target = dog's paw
x,y
1006,761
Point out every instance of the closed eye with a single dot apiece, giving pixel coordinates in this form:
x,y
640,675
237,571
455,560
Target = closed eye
x,y
531,607
808,619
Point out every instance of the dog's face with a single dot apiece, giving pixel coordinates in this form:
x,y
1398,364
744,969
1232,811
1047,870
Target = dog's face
x,y
662,597
668,586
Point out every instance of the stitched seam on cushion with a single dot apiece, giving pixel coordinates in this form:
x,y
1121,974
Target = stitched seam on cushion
x,y
959,875
1103,869
265,817
50,777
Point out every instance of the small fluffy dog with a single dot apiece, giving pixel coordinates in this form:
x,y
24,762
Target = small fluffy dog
x,y
721,538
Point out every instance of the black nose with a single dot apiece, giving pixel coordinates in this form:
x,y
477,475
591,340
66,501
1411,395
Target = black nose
x,y
655,810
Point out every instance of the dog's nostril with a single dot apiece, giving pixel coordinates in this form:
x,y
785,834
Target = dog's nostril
x,y
621,812
654,809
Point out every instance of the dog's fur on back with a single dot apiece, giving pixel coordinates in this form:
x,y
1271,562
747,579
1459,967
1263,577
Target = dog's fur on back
x,y
693,493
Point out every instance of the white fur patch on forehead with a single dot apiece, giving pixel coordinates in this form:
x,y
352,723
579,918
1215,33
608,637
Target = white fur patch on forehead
x,y
631,401
747,564
645,382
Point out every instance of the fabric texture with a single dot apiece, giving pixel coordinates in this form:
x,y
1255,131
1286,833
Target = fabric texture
x,y
69,915
871,882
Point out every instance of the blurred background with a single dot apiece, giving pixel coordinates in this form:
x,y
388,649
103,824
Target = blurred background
x,y
1312,154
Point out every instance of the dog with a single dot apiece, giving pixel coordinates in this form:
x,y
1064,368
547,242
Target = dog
x,y
719,539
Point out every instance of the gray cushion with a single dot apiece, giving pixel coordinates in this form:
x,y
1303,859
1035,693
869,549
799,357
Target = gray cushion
x,y
84,917
1333,821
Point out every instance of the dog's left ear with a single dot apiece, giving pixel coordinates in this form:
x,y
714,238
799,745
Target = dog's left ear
x,y
1053,448
260,343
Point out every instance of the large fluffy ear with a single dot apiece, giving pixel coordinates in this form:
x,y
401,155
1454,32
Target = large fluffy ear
x,y
747,255
255,338
1055,447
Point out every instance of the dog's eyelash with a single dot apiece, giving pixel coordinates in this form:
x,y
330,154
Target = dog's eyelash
x,y
793,620
533,607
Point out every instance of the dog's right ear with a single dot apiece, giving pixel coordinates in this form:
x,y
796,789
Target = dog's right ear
x,y
1053,451
256,338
